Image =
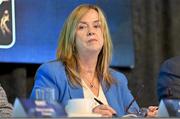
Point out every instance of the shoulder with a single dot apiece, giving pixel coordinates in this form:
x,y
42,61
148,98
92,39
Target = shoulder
x,y
172,61
118,76
51,66
5,106
2,93
171,65
51,70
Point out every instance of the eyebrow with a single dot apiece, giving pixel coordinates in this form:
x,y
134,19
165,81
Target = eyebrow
x,y
83,22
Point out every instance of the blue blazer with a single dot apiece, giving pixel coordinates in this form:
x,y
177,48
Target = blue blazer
x,y
53,74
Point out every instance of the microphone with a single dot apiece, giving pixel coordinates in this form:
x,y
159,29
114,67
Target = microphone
x,y
135,98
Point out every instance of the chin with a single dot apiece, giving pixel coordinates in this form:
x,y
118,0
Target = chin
x,y
95,50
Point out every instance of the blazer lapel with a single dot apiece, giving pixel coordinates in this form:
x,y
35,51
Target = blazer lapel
x,y
110,94
75,92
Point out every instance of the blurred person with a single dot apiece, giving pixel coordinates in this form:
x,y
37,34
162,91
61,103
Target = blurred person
x,y
82,66
168,84
5,107
1,1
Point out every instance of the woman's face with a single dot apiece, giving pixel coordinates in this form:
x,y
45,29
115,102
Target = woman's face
x,y
89,36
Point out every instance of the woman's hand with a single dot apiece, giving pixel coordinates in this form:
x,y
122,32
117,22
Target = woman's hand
x,y
152,111
104,110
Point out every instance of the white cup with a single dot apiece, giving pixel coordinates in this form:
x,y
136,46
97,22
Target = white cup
x,y
79,106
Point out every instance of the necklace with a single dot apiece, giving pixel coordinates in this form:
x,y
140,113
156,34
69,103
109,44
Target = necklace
x,y
91,83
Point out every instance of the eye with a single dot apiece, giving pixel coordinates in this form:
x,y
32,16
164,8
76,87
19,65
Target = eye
x,y
81,27
97,26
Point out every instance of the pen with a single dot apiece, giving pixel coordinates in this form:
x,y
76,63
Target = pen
x,y
98,101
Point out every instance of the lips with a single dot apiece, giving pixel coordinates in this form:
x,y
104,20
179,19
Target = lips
x,y
92,39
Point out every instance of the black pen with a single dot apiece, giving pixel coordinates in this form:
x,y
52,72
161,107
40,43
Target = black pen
x,y
98,101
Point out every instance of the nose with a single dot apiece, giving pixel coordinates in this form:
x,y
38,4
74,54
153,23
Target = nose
x,y
90,33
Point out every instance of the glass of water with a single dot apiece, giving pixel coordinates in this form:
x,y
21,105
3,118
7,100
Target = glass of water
x,y
143,112
45,94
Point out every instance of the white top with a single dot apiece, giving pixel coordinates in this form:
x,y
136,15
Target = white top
x,y
89,94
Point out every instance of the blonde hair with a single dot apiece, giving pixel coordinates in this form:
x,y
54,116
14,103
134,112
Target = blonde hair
x,y
66,51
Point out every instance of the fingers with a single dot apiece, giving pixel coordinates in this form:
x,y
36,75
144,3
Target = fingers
x,y
152,108
152,111
104,110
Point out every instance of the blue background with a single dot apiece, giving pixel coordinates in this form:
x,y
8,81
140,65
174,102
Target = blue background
x,y
38,23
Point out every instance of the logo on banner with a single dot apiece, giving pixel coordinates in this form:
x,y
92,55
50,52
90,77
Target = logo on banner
x,y
7,23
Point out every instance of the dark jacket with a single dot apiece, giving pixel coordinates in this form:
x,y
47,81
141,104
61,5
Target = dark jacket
x,y
168,85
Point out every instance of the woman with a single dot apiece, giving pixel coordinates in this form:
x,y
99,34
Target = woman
x,y
82,66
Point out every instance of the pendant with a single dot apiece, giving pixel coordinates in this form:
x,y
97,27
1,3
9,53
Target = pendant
x,y
91,85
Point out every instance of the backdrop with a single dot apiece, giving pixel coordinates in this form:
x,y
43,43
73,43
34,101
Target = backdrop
x,y
37,22
156,37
